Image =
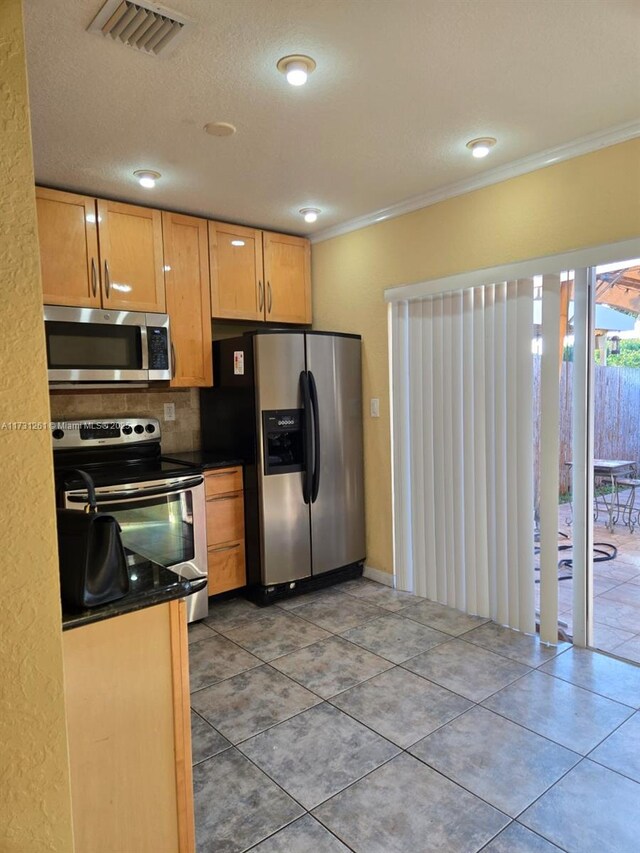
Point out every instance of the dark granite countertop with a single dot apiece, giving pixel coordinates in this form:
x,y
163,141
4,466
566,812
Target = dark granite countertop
x,y
205,459
149,584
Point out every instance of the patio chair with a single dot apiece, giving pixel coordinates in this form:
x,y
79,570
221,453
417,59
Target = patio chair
x,y
630,513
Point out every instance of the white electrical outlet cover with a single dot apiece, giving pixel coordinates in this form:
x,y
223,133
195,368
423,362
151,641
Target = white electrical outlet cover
x,y
375,407
169,411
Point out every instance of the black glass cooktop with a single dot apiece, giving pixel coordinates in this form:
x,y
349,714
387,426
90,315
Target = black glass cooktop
x,y
119,472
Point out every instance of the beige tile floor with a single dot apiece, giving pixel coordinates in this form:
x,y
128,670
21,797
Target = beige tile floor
x,y
616,588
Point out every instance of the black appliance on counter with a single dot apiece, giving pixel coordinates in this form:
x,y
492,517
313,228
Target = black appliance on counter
x,y
290,404
159,503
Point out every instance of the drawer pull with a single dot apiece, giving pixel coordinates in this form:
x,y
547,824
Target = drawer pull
x,y
222,474
226,548
224,498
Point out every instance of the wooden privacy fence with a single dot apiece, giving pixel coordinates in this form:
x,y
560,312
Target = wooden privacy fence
x,y
616,416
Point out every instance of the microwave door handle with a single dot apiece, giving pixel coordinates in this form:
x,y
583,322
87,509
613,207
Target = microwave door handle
x,y
144,346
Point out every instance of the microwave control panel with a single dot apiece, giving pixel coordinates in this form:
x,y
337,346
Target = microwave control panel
x,y
158,348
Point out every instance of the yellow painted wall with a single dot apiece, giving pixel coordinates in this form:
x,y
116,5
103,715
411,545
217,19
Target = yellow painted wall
x,y
587,201
35,810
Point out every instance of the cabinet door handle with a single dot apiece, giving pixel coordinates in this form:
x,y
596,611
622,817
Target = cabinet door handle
x,y
94,277
107,280
269,297
260,296
223,473
173,361
226,547
224,498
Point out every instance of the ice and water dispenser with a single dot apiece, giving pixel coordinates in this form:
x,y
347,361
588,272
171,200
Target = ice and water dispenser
x,y
283,431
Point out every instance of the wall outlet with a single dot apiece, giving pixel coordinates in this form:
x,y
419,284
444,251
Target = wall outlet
x,y
375,407
169,411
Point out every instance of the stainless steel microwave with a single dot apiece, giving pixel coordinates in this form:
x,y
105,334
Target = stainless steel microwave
x,y
95,345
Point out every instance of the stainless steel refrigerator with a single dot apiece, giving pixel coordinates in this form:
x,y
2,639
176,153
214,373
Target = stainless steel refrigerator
x,y
289,404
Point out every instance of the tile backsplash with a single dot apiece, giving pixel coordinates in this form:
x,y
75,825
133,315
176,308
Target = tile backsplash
x,y
181,434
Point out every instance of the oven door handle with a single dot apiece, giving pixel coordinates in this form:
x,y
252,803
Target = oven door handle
x,y
109,497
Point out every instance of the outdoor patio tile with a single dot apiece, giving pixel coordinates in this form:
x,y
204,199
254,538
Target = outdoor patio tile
x,y
401,706
216,658
621,750
466,669
251,702
518,839
395,638
236,805
590,810
318,753
233,612
338,612
499,761
612,678
562,712
275,634
205,740
306,835
445,619
523,648
381,595
625,593
394,808
330,666
629,649
607,638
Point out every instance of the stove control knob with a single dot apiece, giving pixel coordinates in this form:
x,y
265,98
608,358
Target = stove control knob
x,y
150,428
127,429
138,428
58,433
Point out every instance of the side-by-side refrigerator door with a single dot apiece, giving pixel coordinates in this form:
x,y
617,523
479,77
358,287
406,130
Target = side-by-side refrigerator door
x,y
285,547
337,512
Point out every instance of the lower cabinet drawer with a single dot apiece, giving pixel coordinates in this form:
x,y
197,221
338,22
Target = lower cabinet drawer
x,y
226,567
225,518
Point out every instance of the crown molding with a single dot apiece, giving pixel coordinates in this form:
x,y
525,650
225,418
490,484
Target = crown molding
x,y
585,145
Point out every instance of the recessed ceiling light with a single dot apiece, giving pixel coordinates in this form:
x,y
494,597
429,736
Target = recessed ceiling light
x,y
219,128
310,213
237,242
296,68
147,178
480,147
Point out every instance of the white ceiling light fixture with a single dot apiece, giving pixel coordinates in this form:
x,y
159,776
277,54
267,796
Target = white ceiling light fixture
x,y
482,146
296,68
310,213
220,128
147,178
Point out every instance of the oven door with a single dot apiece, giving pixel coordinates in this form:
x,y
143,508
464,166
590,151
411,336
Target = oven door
x,y
163,521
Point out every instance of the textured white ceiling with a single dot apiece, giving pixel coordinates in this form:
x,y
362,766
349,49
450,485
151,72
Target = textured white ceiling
x,y
400,87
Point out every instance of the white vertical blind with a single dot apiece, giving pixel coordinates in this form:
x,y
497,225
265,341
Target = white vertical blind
x,y
462,375
549,455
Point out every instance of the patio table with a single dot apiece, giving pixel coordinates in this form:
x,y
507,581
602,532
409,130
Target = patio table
x,y
609,472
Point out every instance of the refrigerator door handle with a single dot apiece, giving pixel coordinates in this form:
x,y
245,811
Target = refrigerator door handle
x,y
313,390
308,441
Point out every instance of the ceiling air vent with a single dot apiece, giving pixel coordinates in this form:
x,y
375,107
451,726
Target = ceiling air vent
x,y
143,26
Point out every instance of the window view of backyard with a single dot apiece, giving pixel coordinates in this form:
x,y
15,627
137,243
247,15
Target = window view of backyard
x,y
616,510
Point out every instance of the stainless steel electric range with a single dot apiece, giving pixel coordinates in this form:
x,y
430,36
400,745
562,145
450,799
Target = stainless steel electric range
x,y
159,503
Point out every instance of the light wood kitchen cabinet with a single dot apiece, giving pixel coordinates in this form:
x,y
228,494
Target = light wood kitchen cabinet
x,y
131,257
287,272
129,732
96,253
259,275
186,275
68,236
237,280
225,530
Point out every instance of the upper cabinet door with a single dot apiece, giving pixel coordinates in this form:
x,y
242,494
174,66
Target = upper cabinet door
x,y
186,271
287,272
68,248
131,257
237,281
